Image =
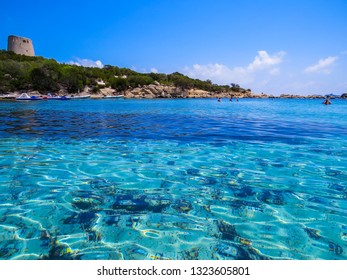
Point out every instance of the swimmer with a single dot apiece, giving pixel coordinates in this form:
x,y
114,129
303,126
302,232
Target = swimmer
x,y
326,101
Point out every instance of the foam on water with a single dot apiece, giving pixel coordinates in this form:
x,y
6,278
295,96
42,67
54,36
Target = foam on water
x,y
173,179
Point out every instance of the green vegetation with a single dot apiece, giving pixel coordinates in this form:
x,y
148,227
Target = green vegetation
x,y
19,72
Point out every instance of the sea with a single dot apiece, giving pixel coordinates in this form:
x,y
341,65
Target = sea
x,y
179,179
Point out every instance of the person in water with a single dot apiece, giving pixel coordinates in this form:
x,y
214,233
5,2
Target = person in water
x,y
327,101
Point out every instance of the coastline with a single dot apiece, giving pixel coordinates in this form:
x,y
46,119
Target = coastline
x,y
157,90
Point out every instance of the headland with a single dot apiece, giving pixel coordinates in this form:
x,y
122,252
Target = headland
x,y
36,75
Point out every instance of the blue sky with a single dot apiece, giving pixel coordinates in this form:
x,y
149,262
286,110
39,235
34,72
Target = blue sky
x,y
297,47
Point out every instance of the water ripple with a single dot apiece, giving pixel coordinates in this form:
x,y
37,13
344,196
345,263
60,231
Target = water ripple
x,y
172,181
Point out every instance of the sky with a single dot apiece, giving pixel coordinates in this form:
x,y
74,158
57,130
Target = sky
x,y
270,46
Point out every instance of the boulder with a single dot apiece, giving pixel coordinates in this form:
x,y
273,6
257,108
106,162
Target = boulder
x,y
129,95
107,91
149,96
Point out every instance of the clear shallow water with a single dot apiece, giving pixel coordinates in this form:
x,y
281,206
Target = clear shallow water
x,y
173,179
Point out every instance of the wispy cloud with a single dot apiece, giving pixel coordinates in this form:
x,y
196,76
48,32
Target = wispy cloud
x,y
220,73
322,66
86,62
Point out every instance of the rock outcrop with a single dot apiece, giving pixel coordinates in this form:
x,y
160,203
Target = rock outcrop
x,y
158,90
301,96
155,91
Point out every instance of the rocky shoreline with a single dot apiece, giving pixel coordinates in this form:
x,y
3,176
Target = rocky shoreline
x,y
166,91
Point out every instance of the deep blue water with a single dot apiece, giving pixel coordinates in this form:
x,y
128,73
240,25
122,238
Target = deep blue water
x,y
173,179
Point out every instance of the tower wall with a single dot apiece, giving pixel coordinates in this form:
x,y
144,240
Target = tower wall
x,y
20,45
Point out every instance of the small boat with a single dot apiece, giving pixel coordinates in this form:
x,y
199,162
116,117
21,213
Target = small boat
x,y
51,96
113,96
7,97
26,97
58,98
79,97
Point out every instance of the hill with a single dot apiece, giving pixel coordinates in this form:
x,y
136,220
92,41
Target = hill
x,y
25,73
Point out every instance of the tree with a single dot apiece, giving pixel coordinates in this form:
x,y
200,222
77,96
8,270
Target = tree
x,y
119,84
235,87
46,77
24,72
73,78
139,80
179,80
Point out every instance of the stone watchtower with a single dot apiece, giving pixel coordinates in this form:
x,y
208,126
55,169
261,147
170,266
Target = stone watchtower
x,y
20,45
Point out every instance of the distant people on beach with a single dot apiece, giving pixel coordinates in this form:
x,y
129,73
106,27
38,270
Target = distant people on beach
x,y
326,101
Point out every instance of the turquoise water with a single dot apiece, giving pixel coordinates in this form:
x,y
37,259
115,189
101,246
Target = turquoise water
x,y
173,179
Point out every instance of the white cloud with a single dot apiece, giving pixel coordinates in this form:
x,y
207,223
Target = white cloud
x,y
263,60
322,66
222,74
154,70
217,72
86,62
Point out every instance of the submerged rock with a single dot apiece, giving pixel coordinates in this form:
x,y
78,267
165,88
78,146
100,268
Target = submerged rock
x,y
312,233
244,192
193,172
192,254
85,203
133,203
85,219
93,235
228,231
335,248
272,197
182,207
59,251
